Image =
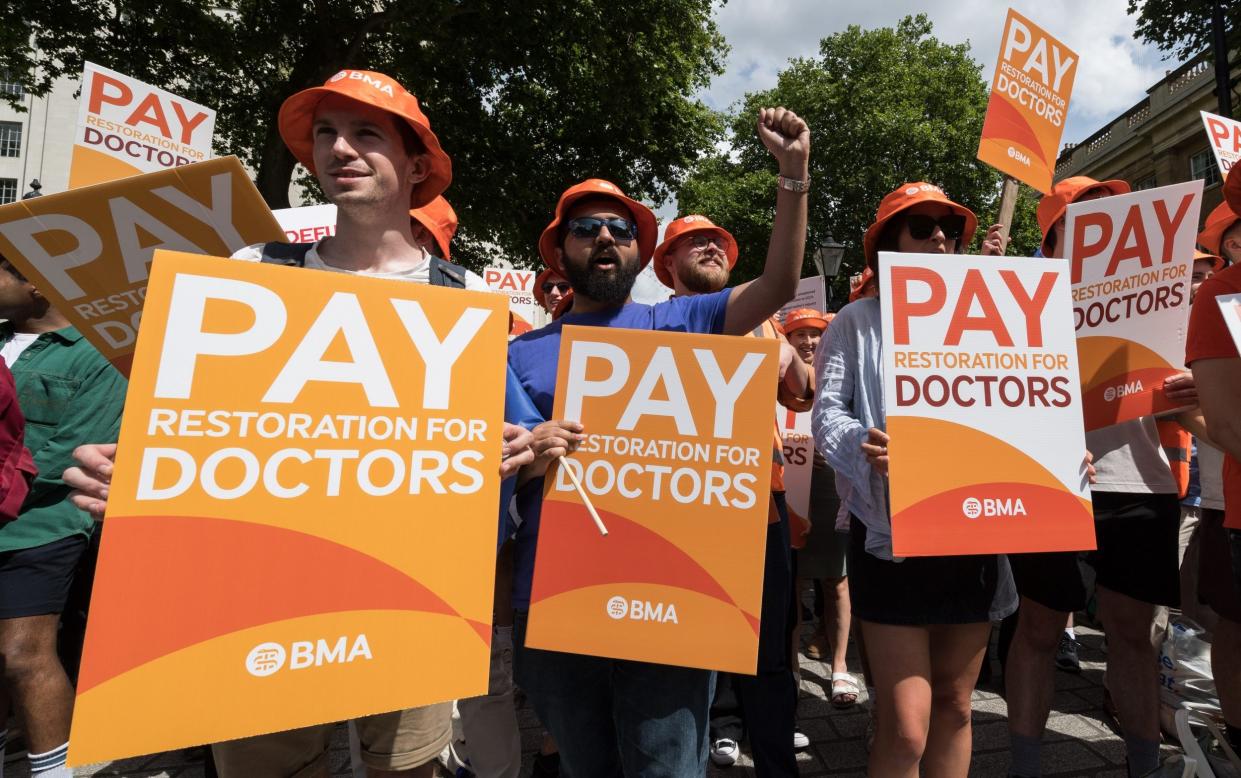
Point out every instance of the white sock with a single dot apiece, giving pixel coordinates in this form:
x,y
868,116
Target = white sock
x,y
1069,631
51,764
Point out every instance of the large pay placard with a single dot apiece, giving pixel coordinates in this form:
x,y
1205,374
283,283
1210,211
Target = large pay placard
x,y
678,463
301,527
1029,103
1132,256
88,250
126,128
983,406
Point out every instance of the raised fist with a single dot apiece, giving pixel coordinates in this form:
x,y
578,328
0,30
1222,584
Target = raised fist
x,y
787,137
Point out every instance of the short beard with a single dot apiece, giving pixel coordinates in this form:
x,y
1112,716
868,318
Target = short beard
x,y
605,288
699,281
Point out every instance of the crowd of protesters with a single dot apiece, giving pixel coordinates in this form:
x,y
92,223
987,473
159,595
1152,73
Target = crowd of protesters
x,y
921,626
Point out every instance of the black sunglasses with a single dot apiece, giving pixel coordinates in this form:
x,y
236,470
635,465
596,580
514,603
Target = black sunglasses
x,y
922,226
563,286
589,227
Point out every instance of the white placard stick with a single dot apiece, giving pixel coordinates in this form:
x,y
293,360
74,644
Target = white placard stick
x,y
603,530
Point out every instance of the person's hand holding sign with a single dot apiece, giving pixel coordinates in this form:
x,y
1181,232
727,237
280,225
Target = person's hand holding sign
x,y
1181,389
994,243
92,478
518,450
876,449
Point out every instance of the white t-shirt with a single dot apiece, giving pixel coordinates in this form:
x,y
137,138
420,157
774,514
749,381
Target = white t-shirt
x,y
420,273
1128,457
14,348
1211,476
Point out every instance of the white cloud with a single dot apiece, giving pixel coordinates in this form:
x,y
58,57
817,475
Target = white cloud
x,y
1114,71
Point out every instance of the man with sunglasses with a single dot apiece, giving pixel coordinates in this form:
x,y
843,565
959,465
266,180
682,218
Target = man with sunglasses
x,y
613,717
696,257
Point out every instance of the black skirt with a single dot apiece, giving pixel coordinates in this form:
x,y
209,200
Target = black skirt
x,y
921,591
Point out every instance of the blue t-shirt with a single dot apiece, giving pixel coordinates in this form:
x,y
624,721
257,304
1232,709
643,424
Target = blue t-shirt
x,y
533,358
518,409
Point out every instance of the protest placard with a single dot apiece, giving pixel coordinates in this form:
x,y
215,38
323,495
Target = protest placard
x,y
681,475
307,224
1028,104
980,374
301,526
1132,257
798,452
518,286
1225,137
810,294
88,250
126,128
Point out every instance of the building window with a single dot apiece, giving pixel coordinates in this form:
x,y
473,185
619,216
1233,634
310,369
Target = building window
x,y
8,190
1202,165
11,88
10,139
1144,183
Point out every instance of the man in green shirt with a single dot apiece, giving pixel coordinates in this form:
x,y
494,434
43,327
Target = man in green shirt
x,y
70,395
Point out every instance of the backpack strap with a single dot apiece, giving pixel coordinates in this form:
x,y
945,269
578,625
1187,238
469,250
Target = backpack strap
x,y
286,253
444,273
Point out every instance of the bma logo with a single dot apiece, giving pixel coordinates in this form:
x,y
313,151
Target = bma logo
x,y
913,190
268,658
618,607
1123,390
989,507
358,75
1017,155
642,610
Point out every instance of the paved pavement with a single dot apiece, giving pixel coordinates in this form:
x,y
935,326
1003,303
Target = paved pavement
x,y
1079,742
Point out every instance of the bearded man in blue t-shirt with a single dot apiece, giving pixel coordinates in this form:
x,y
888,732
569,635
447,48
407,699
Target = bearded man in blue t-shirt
x,y
615,717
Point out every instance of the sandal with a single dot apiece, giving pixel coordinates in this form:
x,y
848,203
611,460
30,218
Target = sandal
x,y
845,694
817,647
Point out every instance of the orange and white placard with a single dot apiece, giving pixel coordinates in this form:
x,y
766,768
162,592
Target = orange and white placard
x,y
1225,137
301,525
126,128
1132,257
983,406
88,250
794,429
518,284
1029,103
307,224
678,465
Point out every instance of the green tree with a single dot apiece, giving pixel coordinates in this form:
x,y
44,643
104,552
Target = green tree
x,y
885,106
1182,28
526,97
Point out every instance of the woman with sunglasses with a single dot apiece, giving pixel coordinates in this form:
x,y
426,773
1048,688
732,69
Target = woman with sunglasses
x,y
549,289
925,620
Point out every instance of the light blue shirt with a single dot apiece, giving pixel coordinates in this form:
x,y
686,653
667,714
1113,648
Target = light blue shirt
x,y
849,368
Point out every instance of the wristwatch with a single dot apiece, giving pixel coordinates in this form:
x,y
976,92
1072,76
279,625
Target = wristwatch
x,y
793,184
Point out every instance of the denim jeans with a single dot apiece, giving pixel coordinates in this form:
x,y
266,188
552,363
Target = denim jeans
x,y
613,717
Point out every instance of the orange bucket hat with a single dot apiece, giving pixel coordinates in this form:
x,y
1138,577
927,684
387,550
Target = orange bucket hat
x,y
1232,191
904,197
440,220
648,226
1217,262
1053,204
800,318
683,227
297,114
1218,222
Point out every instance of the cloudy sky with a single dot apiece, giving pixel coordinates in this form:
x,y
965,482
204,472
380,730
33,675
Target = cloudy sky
x,y
1114,72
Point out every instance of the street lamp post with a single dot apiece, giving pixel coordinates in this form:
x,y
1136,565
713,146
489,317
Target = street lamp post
x,y
827,259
